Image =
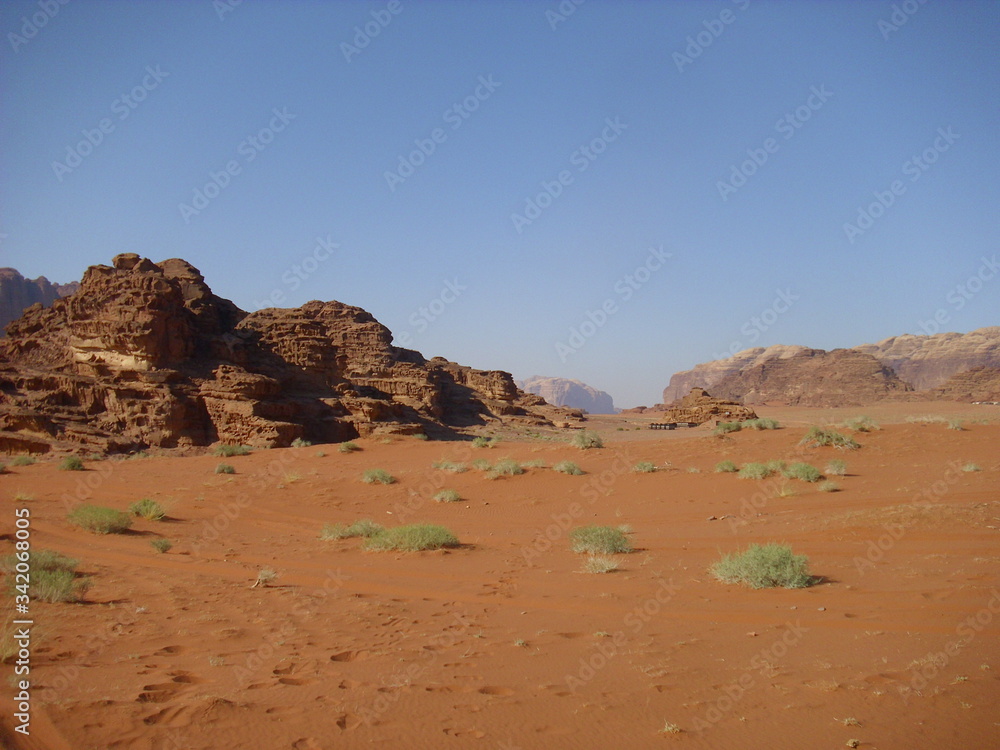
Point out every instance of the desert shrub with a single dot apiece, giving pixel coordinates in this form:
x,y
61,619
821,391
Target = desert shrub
x,y
726,427
955,424
482,464
301,443
412,538
776,465
420,436
970,467
818,436
761,423
836,467
786,490
828,487
600,564
755,471
805,472
482,442
225,469
161,545
147,508
377,476
505,467
451,466
861,424
644,467
3,468
764,566
535,463
22,461
58,585
726,467
71,463
926,419
568,467
349,447
264,577
447,496
587,439
42,559
599,540
99,519
225,450
365,528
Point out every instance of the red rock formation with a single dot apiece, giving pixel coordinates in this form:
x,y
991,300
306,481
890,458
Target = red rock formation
x,y
977,384
18,293
145,355
572,393
700,406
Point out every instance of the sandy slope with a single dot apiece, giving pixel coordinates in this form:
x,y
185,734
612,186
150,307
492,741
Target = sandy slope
x,y
504,642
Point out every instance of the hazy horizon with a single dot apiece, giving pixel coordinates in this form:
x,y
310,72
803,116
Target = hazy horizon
x,y
519,187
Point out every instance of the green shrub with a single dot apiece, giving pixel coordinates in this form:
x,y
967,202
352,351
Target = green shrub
x,y
301,443
412,538
644,467
776,465
42,559
535,463
970,467
22,461
420,436
755,471
955,424
364,528
803,471
587,439
819,437
447,496
599,540
828,487
505,467
226,450
482,442
377,476
99,519
600,564
836,467
57,585
225,469
451,466
861,424
161,545
349,447
761,423
71,463
764,566
3,468
482,464
726,467
568,467
726,427
147,508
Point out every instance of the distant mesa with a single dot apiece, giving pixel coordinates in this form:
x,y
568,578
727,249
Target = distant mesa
x,y
907,367
571,393
18,293
699,406
144,354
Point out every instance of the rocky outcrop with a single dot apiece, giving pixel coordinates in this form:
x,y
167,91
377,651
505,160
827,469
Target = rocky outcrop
x,y
567,392
975,385
813,377
699,406
707,374
926,362
18,293
144,354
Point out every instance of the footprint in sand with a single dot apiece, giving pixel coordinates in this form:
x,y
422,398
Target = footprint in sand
x,y
494,690
350,656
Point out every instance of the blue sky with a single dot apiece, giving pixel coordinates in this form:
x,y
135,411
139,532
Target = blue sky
x,y
612,194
